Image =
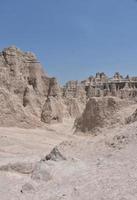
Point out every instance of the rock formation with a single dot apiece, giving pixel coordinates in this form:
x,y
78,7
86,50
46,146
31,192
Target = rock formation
x,y
54,155
24,88
98,113
132,118
41,172
101,85
74,96
52,110
29,98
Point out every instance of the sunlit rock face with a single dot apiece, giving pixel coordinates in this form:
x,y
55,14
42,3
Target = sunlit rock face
x,y
101,85
37,99
24,81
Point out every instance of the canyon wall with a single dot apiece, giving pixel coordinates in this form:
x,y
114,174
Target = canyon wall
x,y
30,98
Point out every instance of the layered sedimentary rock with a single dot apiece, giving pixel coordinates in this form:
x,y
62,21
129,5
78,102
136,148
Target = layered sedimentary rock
x,y
100,97
24,88
28,97
76,94
101,85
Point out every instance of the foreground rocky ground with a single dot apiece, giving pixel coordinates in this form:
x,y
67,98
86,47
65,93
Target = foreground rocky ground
x,y
74,142
79,167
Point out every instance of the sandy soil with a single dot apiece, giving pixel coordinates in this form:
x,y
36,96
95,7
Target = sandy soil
x,y
102,167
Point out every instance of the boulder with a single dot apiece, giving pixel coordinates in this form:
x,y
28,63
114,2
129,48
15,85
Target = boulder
x,y
27,187
55,155
41,172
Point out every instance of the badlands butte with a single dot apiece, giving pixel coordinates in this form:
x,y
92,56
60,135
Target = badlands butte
x,y
74,142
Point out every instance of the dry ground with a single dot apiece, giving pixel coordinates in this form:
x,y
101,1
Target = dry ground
x,y
102,167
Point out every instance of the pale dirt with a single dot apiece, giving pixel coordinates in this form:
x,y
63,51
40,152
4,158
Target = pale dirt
x,y
102,167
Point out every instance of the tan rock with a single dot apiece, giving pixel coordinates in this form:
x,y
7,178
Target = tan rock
x,y
52,110
132,118
97,113
24,88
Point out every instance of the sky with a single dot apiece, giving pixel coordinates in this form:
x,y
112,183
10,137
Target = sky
x,y
73,39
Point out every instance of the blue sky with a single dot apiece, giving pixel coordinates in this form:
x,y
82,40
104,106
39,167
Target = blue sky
x,y
73,38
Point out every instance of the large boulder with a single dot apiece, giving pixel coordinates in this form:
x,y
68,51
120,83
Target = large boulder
x,y
54,155
41,172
